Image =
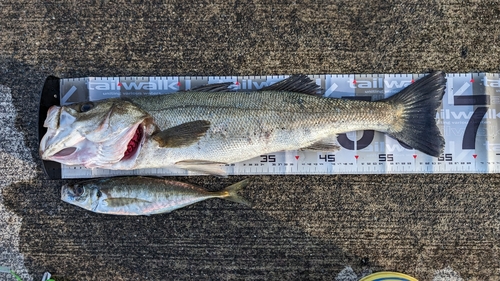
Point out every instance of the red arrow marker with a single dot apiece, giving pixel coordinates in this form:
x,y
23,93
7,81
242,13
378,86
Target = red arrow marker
x,y
414,156
474,155
412,81
179,84
472,80
236,83
354,81
356,156
297,157
119,84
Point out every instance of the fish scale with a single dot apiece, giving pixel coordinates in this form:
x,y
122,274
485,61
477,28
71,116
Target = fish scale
x,y
292,126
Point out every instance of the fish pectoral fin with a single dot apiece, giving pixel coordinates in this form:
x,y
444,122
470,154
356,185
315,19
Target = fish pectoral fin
x,y
123,201
298,83
182,135
216,87
202,166
323,145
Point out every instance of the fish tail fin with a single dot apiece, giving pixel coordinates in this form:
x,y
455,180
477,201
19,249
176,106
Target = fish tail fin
x,y
231,193
416,107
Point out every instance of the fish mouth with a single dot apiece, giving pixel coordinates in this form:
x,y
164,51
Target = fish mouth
x,y
61,154
133,146
65,193
120,151
65,152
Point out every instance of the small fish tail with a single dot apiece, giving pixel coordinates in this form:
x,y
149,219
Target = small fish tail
x,y
231,193
416,107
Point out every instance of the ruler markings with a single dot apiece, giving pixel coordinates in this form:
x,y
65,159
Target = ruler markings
x,y
471,145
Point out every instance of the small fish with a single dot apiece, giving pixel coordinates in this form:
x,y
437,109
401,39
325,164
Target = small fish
x,y
201,129
134,196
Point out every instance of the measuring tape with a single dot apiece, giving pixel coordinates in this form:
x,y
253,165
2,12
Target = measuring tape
x,y
469,119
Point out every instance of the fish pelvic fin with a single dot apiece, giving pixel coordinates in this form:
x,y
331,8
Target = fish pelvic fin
x,y
202,166
183,134
415,109
231,193
323,145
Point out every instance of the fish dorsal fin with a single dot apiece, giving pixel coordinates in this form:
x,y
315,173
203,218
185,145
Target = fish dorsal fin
x,y
216,87
298,83
182,135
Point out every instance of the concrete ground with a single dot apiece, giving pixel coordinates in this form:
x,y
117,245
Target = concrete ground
x,y
433,227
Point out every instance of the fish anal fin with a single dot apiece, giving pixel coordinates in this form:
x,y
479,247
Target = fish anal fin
x,y
183,134
202,166
298,83
323,145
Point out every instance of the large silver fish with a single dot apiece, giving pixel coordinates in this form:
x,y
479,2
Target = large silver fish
x,y
199,130
135,196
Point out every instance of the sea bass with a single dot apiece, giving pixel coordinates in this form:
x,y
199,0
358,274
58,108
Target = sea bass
x,y
136,196
201,129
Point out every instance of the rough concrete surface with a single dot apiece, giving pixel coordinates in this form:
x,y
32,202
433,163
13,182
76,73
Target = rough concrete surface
x,y
433,227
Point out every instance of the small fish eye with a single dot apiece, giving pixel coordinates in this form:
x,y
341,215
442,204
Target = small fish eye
x,y
99,193
78,190
86,107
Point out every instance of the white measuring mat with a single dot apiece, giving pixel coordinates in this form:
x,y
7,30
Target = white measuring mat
x,y
469,119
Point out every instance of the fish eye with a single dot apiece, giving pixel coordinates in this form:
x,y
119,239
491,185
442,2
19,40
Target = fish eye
x,y
86,106
78,190
99,193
